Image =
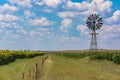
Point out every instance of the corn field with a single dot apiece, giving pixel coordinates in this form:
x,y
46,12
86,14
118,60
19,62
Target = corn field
x,y
7,56
110,55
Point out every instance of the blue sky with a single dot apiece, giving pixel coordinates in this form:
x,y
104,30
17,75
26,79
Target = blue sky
x,y
57,24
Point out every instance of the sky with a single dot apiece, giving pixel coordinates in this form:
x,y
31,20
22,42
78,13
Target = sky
x,y
57,24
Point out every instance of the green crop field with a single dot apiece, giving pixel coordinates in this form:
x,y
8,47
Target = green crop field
x,y
7,56
14,63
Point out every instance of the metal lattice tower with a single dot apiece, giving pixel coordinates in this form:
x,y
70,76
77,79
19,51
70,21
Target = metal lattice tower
x,y
93,45
94,22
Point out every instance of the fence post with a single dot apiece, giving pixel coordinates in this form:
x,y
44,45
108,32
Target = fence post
x,y
26,76
23,76
36,70
33,73
29,74
42,61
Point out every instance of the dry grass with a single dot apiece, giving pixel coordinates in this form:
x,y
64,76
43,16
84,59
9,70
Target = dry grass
x,y
82,69
46,70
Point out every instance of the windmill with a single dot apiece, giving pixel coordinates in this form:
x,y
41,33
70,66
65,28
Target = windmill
x,y
94,22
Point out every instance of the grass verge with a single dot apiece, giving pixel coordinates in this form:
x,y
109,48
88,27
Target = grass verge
x,y
82,69
14,70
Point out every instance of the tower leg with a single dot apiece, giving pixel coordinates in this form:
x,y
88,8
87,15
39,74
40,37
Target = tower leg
x,y
93,45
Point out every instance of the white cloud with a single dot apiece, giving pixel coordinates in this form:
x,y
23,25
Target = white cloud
x,y
66,14
43,33
101,6
67,38
9,34
19,29
110,32
75,5
8,17
65,24
6,8
43,21
16,26
9,28
73,14
22,31
22,3
47,10
51,3
28,14
40,32
4,25
95,6
83,29
115,18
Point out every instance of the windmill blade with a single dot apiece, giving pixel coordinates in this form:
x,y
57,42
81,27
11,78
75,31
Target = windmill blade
x,y
94,16
89,25
100,20
97,16
89,18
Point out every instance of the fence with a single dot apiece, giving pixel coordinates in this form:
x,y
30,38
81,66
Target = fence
x,y
36,72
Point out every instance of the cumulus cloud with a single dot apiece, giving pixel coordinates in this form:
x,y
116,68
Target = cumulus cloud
x,y
115,18
8,17
65,24
16,26
39,31
6,8
50,3
43,21
75,5
110,32
4,24
28,14
42,33
19,29
101,6
83,29
10,29
22,3
73,14
67,14
47,10
22,31
7,29
83,9
95,6
67,38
